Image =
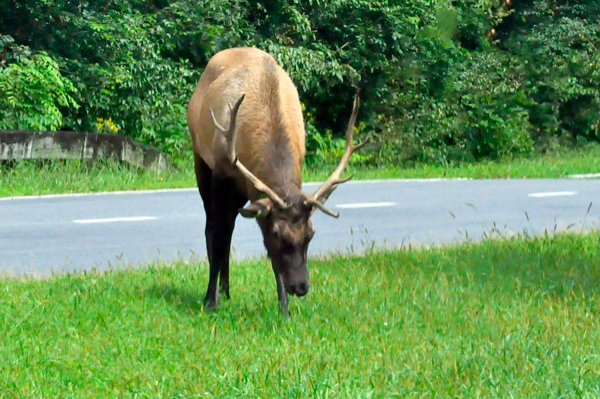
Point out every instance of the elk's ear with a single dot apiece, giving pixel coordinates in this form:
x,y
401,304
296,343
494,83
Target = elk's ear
x,y
257,209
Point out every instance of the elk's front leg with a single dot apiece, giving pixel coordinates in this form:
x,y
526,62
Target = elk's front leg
x,y
281,294
220,222
211,299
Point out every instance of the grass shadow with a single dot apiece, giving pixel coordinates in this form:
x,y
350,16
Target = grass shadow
x,y
188,302
182,299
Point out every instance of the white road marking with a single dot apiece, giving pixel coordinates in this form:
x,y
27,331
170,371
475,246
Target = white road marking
x,y
553,194
114,220
406,180
366,205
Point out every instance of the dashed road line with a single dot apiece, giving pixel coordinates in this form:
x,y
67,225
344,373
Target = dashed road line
x,y
116,220
366,205
553,194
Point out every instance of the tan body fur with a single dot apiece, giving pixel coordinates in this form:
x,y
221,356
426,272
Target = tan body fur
x,y
270,128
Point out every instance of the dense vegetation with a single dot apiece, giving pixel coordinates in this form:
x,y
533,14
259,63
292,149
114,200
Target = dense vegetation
x,y
442,81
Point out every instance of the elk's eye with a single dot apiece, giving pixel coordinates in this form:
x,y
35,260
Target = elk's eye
x,y
275,231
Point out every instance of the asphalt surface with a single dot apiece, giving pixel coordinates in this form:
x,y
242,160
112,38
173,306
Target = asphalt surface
x,y
42,235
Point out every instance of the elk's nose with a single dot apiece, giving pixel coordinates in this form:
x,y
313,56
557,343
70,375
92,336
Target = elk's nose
x,y
301,289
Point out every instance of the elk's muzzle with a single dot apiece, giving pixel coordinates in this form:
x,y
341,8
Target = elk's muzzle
x,y
299,289
294,271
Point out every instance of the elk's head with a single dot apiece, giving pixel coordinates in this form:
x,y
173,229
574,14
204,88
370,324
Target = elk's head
x,y
287,231
285,222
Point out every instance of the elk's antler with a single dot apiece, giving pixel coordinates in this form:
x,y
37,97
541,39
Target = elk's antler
x,y
230,136
322,194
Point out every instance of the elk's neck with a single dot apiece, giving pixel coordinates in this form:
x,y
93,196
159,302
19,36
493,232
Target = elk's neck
x,y
276,133
279,165
285,177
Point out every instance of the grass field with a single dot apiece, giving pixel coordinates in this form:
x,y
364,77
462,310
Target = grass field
x,y
68,177
514,318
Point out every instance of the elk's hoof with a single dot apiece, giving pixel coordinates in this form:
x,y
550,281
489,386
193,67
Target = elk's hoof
x,y
211,303
284,312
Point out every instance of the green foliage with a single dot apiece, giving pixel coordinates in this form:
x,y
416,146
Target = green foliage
x,y
441,82
133,85
560,47
32,90
322,147
488,88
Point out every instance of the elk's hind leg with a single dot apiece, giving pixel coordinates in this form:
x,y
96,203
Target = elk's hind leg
x,y
220,222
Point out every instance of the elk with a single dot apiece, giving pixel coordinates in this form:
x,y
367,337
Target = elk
x,y
253,151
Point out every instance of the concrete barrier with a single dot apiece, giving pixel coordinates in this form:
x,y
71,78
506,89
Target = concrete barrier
x,y
19,144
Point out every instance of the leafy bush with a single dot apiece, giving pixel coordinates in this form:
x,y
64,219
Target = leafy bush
x,y
32,89
441,82
561,48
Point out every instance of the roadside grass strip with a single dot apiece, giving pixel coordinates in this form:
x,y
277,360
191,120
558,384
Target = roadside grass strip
x,y
25,178
515,317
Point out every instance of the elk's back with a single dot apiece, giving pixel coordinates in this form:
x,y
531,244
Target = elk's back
x,y
270,118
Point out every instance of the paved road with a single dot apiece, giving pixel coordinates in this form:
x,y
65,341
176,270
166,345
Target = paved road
x,y
44,234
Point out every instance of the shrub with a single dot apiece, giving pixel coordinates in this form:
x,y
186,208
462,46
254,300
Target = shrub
x,y
32,89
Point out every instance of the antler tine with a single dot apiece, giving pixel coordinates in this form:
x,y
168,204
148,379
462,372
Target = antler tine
x,y
331,183
230,137
230,134
217,124
260,186
322,207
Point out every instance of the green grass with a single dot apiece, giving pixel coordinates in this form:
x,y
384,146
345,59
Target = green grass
x,y
547,166
509,318
69,177
59,177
